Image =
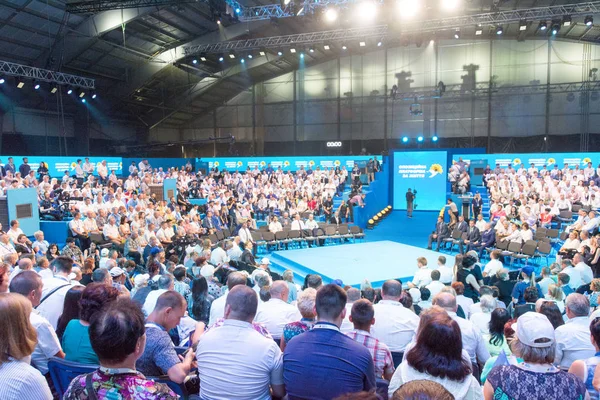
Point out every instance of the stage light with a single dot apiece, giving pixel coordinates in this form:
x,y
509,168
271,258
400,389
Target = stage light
x,y
2,81
279,53
499,30
81,94
432,42
434,138
409,8
326,47
301,55
231,55
589,20
478,30
262,53
83,101
292,50
242,61
366,10
522,25
379,44
344,47
94,95
311,50
456,34
331,14
194,61
420,139
36,85
449,5
221,59
405,139
543,26
250,56
362,44
69,91
203,59
20,83
555,28
566,20
237,10
218,22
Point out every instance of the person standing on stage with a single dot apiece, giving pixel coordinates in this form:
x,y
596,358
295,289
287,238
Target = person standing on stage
x,y
410,199
476,205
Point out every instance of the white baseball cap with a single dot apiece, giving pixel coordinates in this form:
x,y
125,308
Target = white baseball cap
x,y
116,271
104,252
207,271
266,261
533,326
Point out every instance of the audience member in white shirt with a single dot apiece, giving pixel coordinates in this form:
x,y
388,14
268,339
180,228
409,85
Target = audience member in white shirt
x,y
394,325
494,265
276,313
573,338
482,319
446,273
435,286
422,276
584,270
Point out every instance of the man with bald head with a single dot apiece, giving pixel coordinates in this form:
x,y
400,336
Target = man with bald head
x,y
394,325
217,308
472,340
276,313
250,366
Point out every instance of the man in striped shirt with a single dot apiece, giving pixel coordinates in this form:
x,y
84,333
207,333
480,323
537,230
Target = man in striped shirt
x,y
362,316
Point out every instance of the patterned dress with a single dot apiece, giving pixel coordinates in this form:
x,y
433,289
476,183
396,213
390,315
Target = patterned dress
x,y
513,383
127,386
294,329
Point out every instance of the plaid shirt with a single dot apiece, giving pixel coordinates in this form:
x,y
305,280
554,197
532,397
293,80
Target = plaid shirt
x,y
382,357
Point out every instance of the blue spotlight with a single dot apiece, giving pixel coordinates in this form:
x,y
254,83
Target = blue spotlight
x,y
2,81
221,59
301,55
242,61
238,10
405,139
194,61
83,101
279,53
37,86
434,138
420,139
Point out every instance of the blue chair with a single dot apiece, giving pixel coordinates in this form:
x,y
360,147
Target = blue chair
x,y
63,372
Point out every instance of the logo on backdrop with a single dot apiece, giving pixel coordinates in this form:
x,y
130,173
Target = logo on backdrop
x,y
286,163
551,161
517,161
586,160
435,169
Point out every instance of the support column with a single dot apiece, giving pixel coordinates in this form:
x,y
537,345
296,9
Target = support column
x,y
385,100
259,118
215,132
489,110
548,63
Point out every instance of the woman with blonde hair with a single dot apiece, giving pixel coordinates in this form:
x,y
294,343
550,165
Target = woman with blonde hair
x,y
18,379
556,295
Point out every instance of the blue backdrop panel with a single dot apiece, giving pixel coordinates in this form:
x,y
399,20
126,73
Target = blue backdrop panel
x,y
55,231
16,197
423,171
376,199
286,163
169,184
539,159
58,165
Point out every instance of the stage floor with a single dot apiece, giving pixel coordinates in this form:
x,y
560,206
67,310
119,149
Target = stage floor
x,y
352,263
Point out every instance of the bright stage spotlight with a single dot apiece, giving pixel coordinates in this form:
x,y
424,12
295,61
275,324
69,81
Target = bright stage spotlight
x,y
331,14
362,44
194,61
94,95
555,28
379,44
221,59
366,10
36,85
311,50
449,5
499,30
83,101
543,26
242,61
70,90
2,81
326,47
434,138
457,34
522,25
301,55
250,56
81,94
20,83
409,8
344,47
279,53
589,20
478,30
420,139
405,139
292,50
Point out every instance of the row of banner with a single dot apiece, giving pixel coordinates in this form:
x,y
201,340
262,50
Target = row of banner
x,y
58,165
537,159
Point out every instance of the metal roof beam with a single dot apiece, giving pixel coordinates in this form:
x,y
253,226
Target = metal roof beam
x,y
45,75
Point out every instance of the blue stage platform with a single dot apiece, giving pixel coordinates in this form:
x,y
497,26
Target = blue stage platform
x,y
352,263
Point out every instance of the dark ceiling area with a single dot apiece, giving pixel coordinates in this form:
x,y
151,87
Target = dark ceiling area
x,y
136,55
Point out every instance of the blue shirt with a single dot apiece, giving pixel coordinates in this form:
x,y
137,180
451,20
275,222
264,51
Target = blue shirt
x,y
324,363
519,291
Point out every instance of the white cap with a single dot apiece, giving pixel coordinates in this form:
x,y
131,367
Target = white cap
x,y
141,279
104,252
116,271
266,261
533,326
207,271
415,294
